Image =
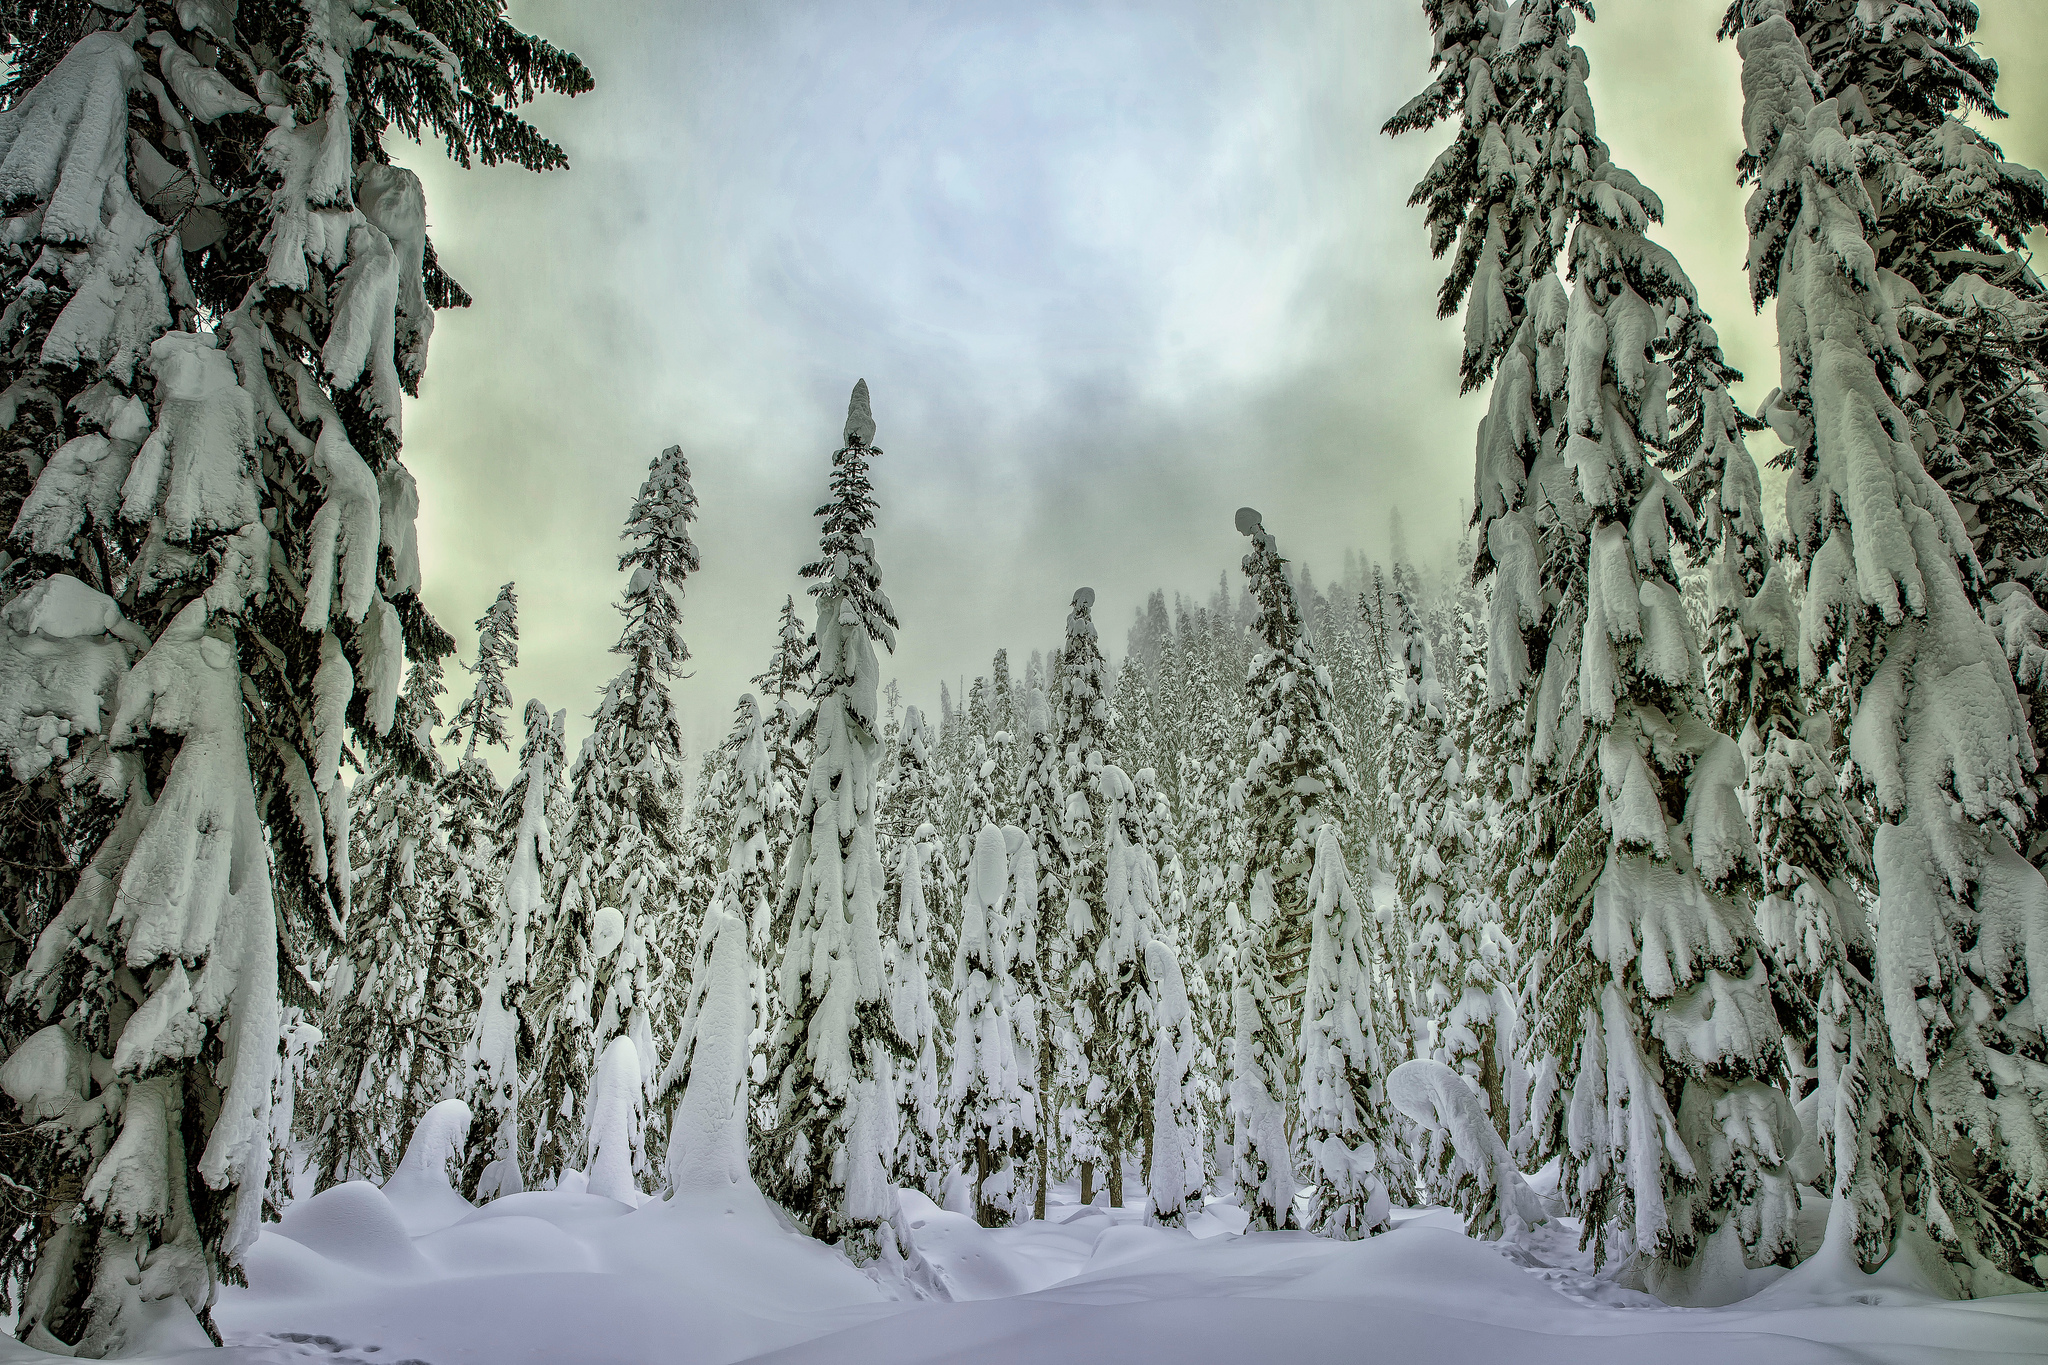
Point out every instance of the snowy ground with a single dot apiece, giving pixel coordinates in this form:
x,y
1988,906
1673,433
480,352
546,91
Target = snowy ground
x,y
359,1276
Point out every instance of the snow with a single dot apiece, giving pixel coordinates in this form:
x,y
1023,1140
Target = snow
x,y
705,1280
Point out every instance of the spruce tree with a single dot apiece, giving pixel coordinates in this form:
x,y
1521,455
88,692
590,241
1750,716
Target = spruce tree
x,y
1120,1001
1306,1055
711,1065
1674,1128
988,1097
917,877
214,344
498,1055
827,1159
1081,717
382,1025
1938,737
617,859
1040,984
1173,1176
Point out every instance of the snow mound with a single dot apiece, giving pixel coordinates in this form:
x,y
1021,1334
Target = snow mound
x,y
354,1225
419,1190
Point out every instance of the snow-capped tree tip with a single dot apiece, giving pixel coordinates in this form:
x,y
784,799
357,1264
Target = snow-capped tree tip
x,y
1084,597
1249,522
860,418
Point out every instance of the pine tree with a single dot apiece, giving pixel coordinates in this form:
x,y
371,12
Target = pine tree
x,y
1938,737
1173,1176
783,686
1300,973
380,1026
988,1099
1636,929
834,1053
618,856
1040,990
711,1065
498,1055
240,491
1081,715
1120,1001
918,871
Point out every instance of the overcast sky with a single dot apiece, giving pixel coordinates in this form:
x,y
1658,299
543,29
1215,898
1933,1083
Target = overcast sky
x,y
1111,270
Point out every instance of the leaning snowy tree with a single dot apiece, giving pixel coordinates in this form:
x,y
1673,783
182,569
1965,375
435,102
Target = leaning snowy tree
x,y
834,1053
217,291
1939,740
618,857
1307,1072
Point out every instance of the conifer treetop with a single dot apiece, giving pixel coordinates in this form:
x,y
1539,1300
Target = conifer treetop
x,y
480,717
846,570
663,555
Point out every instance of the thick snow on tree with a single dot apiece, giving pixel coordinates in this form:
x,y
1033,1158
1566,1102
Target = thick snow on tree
x,y
784,687
1039,805
1174,1175
1348,1146
1120,1002
618,858
1648,987
1470,1159
240,490
707,1143
988,1090
827,1160
910,809
613,1132
1296,776
1081,717
386,1043
1939,741
504,1022
712,1061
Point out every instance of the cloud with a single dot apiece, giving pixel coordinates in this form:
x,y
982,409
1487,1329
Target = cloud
x,y
1111,271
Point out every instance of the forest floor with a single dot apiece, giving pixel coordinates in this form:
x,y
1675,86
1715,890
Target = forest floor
x,y
359,1276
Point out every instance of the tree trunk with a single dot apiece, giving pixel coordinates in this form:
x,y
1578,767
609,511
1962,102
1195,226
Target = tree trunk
x,y
1087,1183
1113,1176
983,1214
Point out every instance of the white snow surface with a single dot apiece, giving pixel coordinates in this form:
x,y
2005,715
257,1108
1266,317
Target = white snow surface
x,y
563,1275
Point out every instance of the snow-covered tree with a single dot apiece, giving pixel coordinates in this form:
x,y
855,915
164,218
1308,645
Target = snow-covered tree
x,y
827,1160
712,1062
1081,720
1039,805
1468,1158
910,810
615,1124
385,1039
218,291
617,858
1345,1137
1296,776
784,686
1174,1175
480,719
1646,980
988,1096
1938,738
497,1055
1120,1003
